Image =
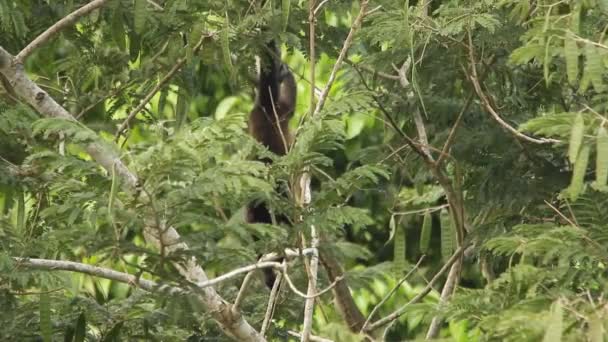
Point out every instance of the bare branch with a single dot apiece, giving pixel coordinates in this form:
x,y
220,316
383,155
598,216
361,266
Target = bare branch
x,y
58,26
100,272
272,299
241,295
240,270
309,306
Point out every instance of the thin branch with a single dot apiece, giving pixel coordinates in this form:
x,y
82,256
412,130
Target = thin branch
x,y
295,290
419,211
58,26
347,43
391,292
100,272
488,106
309,306
155,5
446,293
318,8
240,270
180,63
427,289
271,303
241,295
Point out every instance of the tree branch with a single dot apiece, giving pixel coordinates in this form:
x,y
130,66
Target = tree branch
x,y
100,272
309,306
488,106
58,26
347,43
446,292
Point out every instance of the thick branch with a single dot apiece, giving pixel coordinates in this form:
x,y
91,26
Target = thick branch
x,y
58,26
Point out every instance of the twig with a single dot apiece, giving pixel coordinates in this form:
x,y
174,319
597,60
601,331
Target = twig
x,y
58,26
446,292
240,270
347,42
425,210
488,106
180,63
309,306
295,290
241,295
155,5
390,294
427,289
271,304
318,8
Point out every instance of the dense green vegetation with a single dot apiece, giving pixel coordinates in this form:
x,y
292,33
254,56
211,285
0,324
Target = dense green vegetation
x,y
457,151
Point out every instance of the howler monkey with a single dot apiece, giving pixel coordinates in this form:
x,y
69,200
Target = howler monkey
x,y
269,120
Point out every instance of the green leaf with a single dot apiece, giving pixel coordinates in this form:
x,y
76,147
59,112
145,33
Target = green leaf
x,y
571,55
601,166
576,137
425,234
578,173
595,67
553,331
139,16
45,317
447,235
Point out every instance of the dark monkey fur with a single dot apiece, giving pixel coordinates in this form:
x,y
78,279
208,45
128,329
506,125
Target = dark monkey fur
x,y
269,120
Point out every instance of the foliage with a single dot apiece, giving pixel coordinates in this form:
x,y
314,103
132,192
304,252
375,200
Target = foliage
x,y
536,215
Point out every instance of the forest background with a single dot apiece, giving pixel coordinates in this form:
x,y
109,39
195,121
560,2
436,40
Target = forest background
x,y
448,176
